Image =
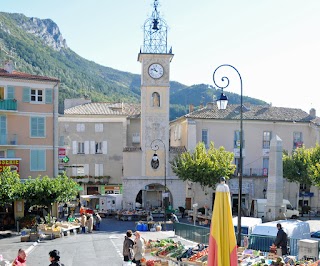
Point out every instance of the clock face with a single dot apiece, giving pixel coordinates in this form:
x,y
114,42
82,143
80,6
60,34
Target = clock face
x,y
156,71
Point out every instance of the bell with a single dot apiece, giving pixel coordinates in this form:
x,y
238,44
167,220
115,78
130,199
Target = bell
x,y
155,24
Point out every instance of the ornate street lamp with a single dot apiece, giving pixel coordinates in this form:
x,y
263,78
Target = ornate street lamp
x,y
155,164
222,104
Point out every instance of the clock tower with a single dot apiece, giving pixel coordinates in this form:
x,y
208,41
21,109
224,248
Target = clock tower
x,y
155,94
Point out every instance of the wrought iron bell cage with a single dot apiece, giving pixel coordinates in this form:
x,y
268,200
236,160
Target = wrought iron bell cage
x,y
155,33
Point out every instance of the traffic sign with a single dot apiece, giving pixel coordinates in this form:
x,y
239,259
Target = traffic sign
x,y
65,159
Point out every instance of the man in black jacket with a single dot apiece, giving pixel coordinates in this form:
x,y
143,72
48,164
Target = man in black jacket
x,y
281,240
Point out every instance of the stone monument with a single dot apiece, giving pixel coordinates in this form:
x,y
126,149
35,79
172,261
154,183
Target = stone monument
x,y
274,208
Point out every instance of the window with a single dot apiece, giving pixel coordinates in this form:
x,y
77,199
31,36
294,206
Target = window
x,y
135,137
36,95
2,154
37,160
204,137
37,127
98,127
80,127
3,130
80,148
98,147
61,140
266,139
10,93
98,169
155,99
236,141
297,140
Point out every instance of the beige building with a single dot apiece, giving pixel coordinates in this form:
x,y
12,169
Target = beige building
x,y
28,123
260,123
92,137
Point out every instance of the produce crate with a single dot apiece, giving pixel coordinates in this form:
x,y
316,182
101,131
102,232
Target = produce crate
x,y
25,238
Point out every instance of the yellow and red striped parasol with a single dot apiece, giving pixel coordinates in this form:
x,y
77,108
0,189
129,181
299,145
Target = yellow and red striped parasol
x,y
222,239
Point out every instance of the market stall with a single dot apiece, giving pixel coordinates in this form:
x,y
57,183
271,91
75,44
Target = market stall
x,y
167,252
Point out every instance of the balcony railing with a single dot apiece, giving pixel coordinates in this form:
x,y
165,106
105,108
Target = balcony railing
x,y
10,140
253,172
8,104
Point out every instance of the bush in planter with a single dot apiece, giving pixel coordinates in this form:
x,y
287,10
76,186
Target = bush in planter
x,y
28,221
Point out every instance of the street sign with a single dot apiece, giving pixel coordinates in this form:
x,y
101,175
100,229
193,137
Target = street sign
x,y
62,152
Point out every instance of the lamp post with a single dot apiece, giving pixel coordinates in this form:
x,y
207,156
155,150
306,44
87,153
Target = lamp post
x,y
222,104
155,164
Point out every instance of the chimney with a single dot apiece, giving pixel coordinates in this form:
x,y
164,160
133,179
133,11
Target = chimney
x,y
8,66
210,105
312,113
191,108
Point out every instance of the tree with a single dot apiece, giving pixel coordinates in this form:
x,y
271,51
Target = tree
x,y
46,190
296,167
204,166
10,186
314,165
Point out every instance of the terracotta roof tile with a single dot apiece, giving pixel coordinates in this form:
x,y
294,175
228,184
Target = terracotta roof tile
x,y
125,109
22,75
252,112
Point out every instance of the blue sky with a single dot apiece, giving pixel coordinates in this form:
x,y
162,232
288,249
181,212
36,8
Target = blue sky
x,y
274,44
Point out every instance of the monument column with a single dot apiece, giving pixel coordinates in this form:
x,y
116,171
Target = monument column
x,y
274,209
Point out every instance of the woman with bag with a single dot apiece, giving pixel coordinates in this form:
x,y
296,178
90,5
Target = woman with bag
x,y
127,251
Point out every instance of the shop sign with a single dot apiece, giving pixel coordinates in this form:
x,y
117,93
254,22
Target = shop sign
x,y
12,164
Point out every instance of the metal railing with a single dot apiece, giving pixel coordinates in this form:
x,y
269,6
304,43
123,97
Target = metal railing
x,y
10,104
193,233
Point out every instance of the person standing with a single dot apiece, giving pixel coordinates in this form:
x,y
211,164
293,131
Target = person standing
x,y
138,249
281,240
21,259
54,258
90,223
174,218
98,220
83,221
127,250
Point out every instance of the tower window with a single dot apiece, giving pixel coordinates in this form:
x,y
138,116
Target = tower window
x,y
155,99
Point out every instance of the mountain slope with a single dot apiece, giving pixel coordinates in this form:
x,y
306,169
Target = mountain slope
x,y
37,47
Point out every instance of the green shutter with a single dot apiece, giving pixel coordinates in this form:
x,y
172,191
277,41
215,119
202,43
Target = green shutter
x,y
37,160
26,95
48,95
10,92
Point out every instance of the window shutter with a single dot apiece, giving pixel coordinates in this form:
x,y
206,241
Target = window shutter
x,y
33,126
33,160
48,95
26,95
96,170
10,92
74,147
74,171
86,169
86,147
92,147
11,153
101,169
104,147
42,160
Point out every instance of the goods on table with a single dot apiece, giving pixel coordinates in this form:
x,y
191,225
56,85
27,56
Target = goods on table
x,y
174,251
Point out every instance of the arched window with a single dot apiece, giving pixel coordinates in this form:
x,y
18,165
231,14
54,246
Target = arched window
x,y
155,99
